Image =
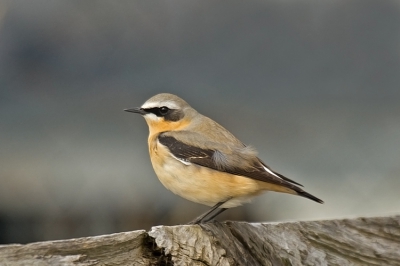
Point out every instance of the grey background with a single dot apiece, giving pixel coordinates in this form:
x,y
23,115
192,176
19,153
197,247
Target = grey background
x,y
313,85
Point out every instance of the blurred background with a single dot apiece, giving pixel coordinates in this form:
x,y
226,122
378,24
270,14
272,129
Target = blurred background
x,y
313,85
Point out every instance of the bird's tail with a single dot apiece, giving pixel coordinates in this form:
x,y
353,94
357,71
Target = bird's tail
x,y
309,196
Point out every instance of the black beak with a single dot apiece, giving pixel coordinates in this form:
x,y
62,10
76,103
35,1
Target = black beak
x,y
136,110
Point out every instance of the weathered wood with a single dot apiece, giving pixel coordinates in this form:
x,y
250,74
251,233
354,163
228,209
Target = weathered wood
x,y
116,249
361,241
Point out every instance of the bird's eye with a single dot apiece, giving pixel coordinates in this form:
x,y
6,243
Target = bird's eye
x,y
164,110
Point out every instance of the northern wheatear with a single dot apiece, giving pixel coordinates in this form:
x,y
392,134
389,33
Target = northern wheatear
x,y
199,160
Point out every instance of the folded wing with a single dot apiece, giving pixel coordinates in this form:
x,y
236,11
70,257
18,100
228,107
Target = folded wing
x,y
234,160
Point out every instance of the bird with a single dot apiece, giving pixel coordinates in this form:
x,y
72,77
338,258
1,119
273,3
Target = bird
x,y
199,160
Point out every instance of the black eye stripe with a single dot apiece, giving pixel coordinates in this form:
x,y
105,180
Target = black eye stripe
x,y
168,114
158,111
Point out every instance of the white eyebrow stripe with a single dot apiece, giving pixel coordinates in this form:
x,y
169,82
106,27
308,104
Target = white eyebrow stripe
x,y
272,173
169,104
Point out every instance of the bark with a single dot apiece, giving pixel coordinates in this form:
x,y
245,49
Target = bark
x,y
360,241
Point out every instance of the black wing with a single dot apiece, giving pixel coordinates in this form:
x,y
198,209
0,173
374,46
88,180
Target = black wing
x,y
204,157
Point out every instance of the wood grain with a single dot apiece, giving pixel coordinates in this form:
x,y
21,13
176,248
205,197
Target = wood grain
x,y
360,241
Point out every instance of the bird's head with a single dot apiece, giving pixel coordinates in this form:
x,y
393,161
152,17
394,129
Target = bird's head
x,y
165,112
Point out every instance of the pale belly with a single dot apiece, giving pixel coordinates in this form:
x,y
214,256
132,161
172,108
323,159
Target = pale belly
x,y
204,185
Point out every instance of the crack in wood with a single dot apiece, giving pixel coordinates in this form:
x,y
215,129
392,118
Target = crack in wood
x,y
360,241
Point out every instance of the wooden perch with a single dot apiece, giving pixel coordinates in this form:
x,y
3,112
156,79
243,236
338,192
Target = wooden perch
x,y
361,241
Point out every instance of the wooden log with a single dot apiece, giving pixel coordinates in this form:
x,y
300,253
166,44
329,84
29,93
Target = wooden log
x,y
360,241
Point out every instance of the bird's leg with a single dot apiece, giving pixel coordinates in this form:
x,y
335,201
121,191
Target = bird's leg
x,y
200,219
218,212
